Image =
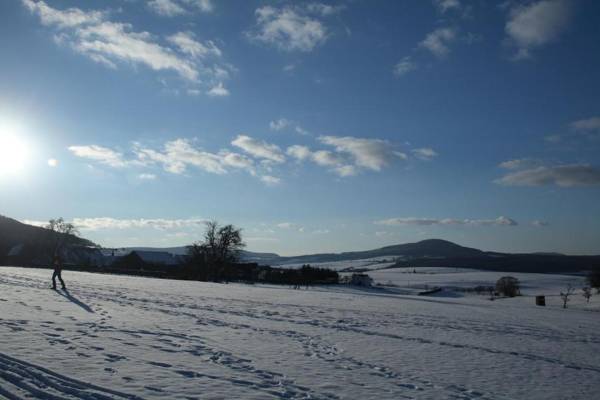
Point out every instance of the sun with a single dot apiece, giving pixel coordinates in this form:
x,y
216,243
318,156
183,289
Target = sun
x,y
14,151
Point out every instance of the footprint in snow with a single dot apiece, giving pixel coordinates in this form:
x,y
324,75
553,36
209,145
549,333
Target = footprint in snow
x,y
160,364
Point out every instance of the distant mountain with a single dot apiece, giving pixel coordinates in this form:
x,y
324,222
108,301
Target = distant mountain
x,y
434,248
426,253
25,241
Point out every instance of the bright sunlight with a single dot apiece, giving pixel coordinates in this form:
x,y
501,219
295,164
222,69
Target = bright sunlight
x,y
14,151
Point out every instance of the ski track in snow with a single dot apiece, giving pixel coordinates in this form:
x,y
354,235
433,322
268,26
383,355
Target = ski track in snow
x,y
231,341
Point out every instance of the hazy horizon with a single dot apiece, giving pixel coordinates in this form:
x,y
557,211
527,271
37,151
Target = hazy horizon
x,y
314,126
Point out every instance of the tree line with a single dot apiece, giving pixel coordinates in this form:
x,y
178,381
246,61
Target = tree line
x,y
216,258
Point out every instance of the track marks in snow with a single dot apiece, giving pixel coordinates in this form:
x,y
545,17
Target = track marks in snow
x,y
20,380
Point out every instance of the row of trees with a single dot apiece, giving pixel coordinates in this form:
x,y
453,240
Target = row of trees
x,y
212,258
216,258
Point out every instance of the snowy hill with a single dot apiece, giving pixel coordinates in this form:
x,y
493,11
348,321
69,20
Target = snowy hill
x,y
120,337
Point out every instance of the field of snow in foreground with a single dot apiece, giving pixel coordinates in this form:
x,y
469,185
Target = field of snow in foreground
x,y
117,337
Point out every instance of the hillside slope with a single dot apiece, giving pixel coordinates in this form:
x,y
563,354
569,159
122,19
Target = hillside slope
x,y
33,239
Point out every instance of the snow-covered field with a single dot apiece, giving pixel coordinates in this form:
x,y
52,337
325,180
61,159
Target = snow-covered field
x,y
366,263
117,337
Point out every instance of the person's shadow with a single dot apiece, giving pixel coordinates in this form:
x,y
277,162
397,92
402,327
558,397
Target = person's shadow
x,y
75,300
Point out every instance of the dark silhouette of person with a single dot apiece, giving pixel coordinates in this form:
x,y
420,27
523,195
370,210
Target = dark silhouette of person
x,y
57,263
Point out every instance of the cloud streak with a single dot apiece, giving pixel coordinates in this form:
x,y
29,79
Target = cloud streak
x,y
500,221
100,154
259,149
568,175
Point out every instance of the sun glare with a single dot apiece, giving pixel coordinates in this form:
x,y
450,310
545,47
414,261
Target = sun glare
x,y
14,151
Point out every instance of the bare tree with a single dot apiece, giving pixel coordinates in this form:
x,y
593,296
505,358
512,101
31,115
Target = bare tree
x,y
229,243
593,279
587,293
508,286
566,294
61,235
219,248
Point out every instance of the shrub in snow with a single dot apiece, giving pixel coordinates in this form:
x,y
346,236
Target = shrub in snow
x,y
587,293
566,294
361,280
593,279
508,286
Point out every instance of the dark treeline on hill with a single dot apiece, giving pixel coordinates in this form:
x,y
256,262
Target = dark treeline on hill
x,y
22,244
220,256
216,258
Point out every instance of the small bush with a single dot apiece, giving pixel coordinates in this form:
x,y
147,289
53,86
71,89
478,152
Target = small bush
x,y
593,279
508,286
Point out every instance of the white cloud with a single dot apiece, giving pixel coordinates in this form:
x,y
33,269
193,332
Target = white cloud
x,y
109,43
172,8
373,154
167,8
323,158
559,175
202,5
147,177
326,158
587,128
101,154
290,226
539,223
324,9
68,18
284,123
270,180
445,5
301,130
299,152
537,24
259,148
286,225
405,66
288,28
500,221
279,124
236,160
186,42
351,154
94,224
346,170
425,153
320,231
586,125
218,91
438,41
178,154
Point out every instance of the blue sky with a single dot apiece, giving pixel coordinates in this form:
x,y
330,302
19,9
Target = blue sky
x,y
314,126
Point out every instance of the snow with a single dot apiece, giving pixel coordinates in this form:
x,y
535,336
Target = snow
x,y
121,337
366,264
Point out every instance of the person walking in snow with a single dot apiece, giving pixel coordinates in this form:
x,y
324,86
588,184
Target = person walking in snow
x,y
57,263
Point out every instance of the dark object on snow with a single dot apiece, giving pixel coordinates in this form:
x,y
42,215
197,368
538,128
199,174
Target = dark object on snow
x,y
57,273
540,300
431,291
508,286
361,280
